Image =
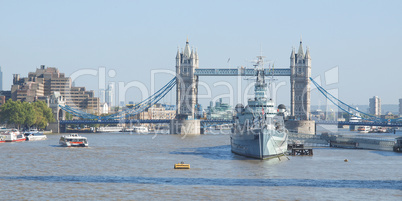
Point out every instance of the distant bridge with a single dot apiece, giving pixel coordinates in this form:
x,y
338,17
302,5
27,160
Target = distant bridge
x,y
126,121
165,121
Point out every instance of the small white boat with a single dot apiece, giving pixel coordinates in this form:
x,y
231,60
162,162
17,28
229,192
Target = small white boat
x,y
140,129
34,136
13,136
109,129
364,129
73,140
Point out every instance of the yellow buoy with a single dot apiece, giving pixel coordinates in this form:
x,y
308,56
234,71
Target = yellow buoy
x,y
181,166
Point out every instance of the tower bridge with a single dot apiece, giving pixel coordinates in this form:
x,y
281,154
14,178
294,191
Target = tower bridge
x,y
188,73
186,81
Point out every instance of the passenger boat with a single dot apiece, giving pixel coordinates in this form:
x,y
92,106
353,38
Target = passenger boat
x,y
379,130
109,129
364,129
136,129
355,119
73,140
140,129
13,136
259,130
34,135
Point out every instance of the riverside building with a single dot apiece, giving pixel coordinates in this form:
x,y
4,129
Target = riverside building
x,y
42,83
375,106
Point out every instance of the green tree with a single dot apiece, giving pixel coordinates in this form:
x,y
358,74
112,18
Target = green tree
x,y
12,112
29,114
40,120
43,114
26,114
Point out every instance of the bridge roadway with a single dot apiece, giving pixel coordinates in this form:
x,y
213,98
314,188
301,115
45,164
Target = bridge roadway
x,y
240,72
166,121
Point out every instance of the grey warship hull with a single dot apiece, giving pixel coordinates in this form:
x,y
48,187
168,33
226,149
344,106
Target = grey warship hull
x,y
260,144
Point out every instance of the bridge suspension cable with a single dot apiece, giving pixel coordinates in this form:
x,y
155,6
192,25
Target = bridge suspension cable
x,y
145,104
340,103
138,108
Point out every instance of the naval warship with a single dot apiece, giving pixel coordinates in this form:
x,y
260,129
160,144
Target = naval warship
x,y
258,129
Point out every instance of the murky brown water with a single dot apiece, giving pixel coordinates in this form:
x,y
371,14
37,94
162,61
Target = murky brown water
x,y
136,167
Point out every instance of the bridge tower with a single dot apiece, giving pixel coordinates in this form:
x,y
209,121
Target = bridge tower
x,y
54,102
185,122
300,67
300,72
187,83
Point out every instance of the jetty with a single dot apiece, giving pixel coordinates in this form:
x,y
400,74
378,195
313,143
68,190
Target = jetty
x,y
383,142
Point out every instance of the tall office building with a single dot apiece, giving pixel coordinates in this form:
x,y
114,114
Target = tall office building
x,y
400,107
110,95
102,95
375,106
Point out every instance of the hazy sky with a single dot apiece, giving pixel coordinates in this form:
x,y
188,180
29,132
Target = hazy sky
x,y
363,38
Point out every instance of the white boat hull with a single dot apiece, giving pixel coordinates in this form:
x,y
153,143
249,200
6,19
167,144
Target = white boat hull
x,y
73,140
36,138
109,129
69,144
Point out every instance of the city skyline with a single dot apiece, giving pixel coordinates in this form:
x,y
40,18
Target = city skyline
x,y
132,38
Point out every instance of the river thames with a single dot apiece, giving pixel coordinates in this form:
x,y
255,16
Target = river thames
x,y
124,166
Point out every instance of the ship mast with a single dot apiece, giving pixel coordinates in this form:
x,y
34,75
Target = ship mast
x,y
260,85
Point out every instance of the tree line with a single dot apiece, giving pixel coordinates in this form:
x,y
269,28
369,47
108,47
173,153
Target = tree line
x,y
25,114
